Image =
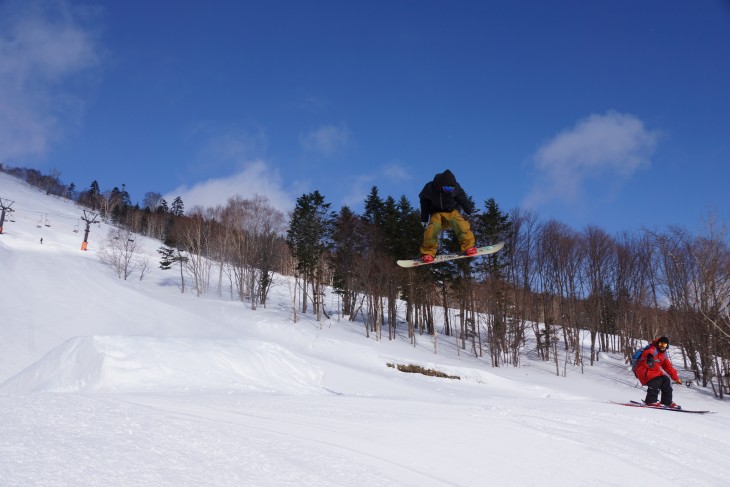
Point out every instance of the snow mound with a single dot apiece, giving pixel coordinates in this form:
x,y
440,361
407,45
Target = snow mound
x,y
143,364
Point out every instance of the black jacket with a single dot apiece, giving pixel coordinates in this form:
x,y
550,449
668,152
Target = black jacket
x,y
434,199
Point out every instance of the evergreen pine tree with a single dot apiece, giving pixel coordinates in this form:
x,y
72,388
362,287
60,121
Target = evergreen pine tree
x,y
308,237
374,208
126,199
346,248
491,227
178,208
411,232
167,257
93,195
162,207
94,190
390,228
307,233
116,204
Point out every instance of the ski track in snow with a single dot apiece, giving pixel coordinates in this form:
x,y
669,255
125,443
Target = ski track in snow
x,y
120,439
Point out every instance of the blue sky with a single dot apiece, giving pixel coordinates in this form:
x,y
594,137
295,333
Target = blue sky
x,y
610,113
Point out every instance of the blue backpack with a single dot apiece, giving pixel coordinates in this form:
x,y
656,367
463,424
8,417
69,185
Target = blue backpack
x,y
636,356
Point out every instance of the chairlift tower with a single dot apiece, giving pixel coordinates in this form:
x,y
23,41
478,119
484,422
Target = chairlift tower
x,y
5,207
89,218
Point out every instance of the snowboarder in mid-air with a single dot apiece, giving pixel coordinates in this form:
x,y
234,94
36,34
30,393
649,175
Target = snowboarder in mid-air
x,y
650,370
441,200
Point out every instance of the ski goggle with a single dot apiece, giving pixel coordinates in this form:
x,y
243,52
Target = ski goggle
x,y
448,189
662,345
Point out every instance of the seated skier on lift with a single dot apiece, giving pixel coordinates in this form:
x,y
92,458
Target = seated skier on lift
x,y
440,203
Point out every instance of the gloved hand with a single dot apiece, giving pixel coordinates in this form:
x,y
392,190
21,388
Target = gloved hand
x,y
650,361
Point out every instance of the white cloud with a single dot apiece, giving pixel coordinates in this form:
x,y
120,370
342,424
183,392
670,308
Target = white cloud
x,y
231,148
326,141
239,153
359,189
256,177
396,172
612,146
44,46
388,178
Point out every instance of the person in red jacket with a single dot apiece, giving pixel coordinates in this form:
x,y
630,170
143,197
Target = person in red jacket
x,y
650,370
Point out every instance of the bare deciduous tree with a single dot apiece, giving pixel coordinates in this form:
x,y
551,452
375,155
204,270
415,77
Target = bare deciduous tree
x,y
120,252
193,235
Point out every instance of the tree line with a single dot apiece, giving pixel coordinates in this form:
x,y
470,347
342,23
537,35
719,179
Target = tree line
x,y
564,287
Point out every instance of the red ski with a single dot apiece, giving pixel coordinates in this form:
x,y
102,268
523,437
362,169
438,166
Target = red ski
x,y
636,404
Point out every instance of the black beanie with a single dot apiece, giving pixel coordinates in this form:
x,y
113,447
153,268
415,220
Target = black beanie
x,y
445,178
663,340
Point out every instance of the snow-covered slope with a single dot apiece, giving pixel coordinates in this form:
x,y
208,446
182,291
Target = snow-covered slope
x,y
111,382
140,364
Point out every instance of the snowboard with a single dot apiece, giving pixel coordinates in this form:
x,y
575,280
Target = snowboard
x,y
489,249
637,404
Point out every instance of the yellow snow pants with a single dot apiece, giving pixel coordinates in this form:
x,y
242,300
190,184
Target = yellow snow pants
x,y
440,221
